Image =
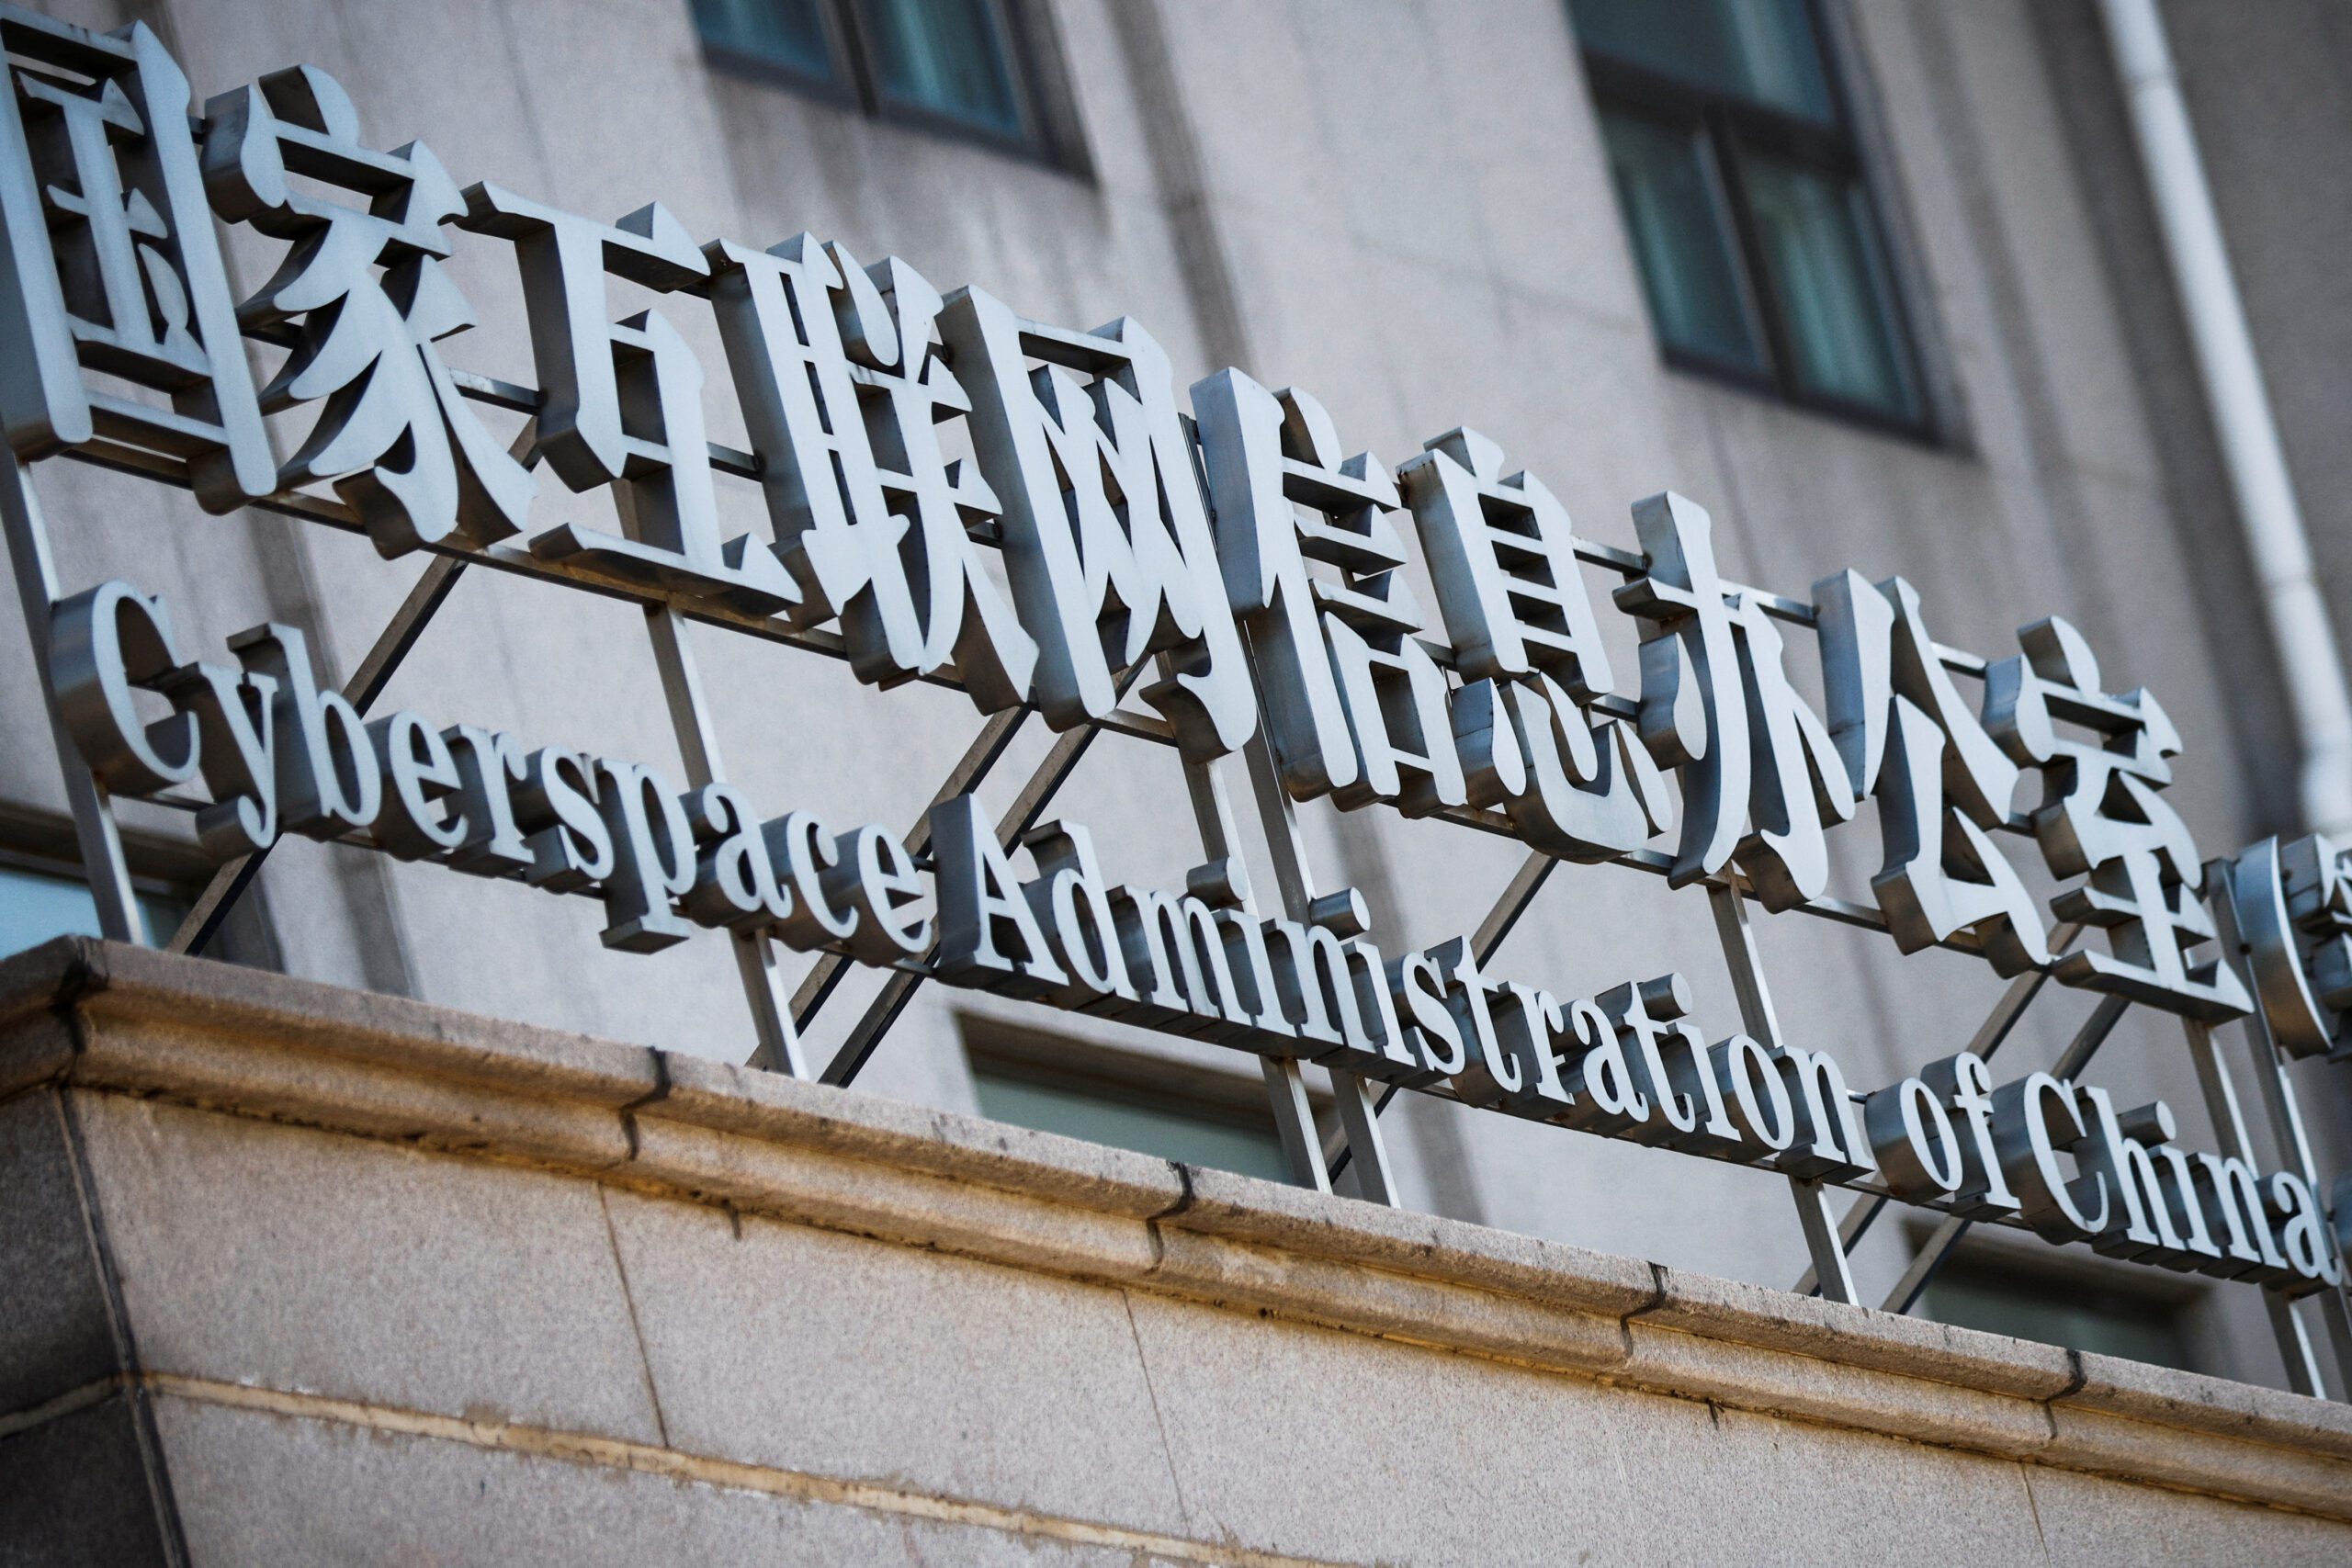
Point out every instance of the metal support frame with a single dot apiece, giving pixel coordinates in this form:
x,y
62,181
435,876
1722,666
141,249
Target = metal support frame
x,y
1933,1252
782,1021
1757,1015
2295,1346
425,597
899,987
232,877
755,957
1311,1164
2275,1086
2004,1017
1285,1084
95,830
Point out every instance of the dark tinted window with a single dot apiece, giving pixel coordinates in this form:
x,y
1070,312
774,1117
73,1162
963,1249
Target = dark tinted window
x,y
2063,1313
959,65
1734,164
950,57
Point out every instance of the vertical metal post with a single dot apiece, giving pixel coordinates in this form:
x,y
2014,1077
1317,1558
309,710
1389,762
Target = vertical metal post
x,y
1285,1087
755,958
2277,1087
1525,883
1359,1117
1756,1014
2295,1347
1996,1027
232,877
103,861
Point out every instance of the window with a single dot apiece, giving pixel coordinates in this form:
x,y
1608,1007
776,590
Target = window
x,y
38,902
959,65
1104,1096
2063,1311
1735,160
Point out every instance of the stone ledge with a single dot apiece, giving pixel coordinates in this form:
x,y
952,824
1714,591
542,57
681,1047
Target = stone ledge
x,y
106,1017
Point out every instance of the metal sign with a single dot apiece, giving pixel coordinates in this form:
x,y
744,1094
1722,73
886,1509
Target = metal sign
x,y
1224,559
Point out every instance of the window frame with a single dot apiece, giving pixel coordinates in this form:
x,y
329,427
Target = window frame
x,y
1208,1087
162,867
1031,60
1731,128
2187,1301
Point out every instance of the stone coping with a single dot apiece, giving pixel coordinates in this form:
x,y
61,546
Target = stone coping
x,y
109,1018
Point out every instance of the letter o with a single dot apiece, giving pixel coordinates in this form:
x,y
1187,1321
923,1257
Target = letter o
x,y
1912,1134
1756,1086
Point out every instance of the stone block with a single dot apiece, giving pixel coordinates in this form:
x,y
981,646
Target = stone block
x,y
263,1488
35,1043
781,1345
262,1009
2088,1521
2090,1440
1273,1214
54,1335
1294,1440
1341,1295
1329,1447
1808,1325
75,1490
2172,1398
276,1256
1755,1377
760,1104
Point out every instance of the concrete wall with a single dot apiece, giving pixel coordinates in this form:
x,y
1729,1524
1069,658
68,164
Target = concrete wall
x,y
299,1275
1404,208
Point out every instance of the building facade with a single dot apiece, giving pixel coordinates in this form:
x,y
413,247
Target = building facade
x,y
1882,285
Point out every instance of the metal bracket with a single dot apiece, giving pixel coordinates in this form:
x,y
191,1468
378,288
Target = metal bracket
x,y
2004,1017
1311,1164
755,957
899,987
1933,1252
1738,939
100,840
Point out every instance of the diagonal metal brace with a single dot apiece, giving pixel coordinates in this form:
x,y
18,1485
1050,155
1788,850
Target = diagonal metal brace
x,y
1932,1253
899,987
230,880
1485,942
1996,1027
981,756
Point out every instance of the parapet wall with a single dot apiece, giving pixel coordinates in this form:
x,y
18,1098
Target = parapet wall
x,y
296,1274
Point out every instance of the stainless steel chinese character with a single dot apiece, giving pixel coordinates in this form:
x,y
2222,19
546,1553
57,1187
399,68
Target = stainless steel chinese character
x,y
395,437
1694,711
2100,815
112,264
623,401
1908,737
1761,778
1355,707
1106,540
1502,559
843,387
1797,783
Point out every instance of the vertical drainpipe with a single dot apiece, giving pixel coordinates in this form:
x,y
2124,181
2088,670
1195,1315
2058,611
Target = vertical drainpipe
x,y
2259,482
